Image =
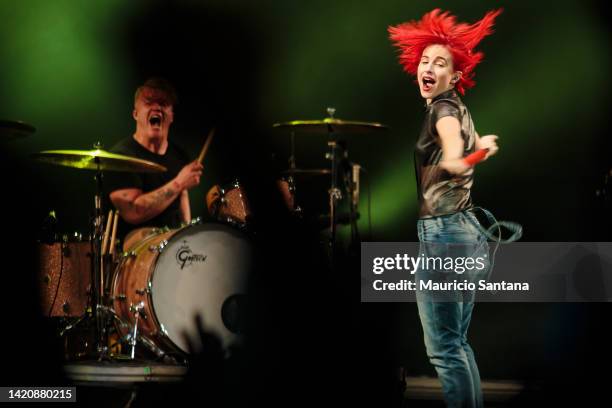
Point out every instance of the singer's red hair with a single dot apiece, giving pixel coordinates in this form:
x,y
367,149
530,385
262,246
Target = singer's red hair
x,y
437,27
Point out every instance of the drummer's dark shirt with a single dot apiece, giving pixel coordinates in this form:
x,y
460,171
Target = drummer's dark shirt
x,y
440,192
174,159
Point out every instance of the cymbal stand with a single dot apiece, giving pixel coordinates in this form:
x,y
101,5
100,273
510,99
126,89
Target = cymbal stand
x,y
334,192
100,264
338,155
352,188
95,312
292,156
98,267
296,210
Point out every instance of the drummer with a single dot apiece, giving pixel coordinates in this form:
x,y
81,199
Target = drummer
x,y
159,199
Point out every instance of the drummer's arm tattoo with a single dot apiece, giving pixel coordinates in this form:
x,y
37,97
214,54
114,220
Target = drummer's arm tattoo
x,y
137,207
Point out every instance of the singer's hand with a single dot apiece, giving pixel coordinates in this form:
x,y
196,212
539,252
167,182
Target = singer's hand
x,y
488,142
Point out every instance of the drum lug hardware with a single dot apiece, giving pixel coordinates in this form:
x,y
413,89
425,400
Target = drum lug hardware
x,y
143,291
130,254
138,310
121,296
158,248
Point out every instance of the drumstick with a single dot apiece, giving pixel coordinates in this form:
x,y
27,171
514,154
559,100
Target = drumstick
x,y
114,234
109,220
206,144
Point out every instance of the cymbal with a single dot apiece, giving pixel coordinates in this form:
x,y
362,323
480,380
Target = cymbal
x,y
305,172
328,125
13,129
97,160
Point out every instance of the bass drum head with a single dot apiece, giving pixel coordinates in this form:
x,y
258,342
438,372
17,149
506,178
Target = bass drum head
x,y
202,271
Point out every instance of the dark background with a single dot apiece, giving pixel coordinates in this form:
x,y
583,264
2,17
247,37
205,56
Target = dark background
x,y
70,69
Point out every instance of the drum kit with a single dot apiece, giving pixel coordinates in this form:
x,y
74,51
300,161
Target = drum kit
x,y
141,299
338,156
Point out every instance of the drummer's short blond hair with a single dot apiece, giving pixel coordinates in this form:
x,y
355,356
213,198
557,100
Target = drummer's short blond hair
x,y
160,84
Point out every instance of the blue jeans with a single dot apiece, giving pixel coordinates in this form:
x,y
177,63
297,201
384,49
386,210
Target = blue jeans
x,y
445,324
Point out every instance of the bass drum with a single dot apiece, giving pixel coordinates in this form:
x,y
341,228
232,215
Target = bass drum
x,y
168,279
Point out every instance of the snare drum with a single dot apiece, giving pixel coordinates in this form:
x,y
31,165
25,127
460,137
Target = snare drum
x,y
169,278
229,204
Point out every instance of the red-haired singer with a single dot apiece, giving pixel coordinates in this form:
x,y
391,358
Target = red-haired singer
x,y
439,52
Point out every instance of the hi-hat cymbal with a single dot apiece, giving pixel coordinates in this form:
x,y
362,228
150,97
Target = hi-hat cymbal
x,y
13,129
331,125
98,160
305,172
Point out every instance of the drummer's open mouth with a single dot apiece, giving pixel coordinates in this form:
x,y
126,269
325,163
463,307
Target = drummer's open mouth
x,y
155,119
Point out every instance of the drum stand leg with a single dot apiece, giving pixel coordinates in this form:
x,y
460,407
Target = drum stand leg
x,y
137,310
72,325
133,337
147,343
127,339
